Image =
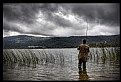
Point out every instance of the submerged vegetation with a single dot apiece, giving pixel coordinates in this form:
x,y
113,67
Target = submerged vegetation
x,y
59,63
32,57
105,55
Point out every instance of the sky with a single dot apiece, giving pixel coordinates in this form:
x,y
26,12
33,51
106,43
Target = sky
x,y
61,19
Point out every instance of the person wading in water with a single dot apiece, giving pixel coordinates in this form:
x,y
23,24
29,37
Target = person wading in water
x,y
83,55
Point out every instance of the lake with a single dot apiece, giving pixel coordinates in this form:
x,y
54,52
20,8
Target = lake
x,y
60,64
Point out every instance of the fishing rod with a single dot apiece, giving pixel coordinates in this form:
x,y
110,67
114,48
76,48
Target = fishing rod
x,y
86,28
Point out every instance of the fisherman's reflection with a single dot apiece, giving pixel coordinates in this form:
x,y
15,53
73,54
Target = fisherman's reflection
x,y
83,75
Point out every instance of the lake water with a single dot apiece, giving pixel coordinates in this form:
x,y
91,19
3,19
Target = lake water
x,y
59,65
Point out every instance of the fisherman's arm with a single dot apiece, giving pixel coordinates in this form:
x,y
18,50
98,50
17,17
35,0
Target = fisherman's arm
x,y
78,48
88,50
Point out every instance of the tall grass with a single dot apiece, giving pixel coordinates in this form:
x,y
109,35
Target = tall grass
x,y
105,54
30,57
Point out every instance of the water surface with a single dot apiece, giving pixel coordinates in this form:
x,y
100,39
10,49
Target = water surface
x,y
58,65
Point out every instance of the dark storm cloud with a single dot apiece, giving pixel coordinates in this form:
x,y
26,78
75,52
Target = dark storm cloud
x,y
106,13
49,10
8,26
27,12
22,18
60,21
49,7
21,12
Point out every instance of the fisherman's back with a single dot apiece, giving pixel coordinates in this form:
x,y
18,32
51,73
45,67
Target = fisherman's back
x,y
83,52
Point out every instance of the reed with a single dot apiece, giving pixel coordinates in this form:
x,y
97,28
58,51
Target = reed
x,y
29,57
97,56
107,54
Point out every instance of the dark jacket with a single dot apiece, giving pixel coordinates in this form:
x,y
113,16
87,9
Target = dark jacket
x,y
83,51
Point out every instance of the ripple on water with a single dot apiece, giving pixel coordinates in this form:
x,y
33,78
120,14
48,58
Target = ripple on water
x,y
68,70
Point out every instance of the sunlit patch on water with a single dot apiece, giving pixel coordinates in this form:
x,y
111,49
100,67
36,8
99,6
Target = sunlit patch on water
x,y
59,64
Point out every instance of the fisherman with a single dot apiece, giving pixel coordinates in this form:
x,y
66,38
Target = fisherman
x,y
83,54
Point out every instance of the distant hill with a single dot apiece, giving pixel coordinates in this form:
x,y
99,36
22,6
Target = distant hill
x,y
24,41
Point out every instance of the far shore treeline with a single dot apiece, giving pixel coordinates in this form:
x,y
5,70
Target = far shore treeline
x,y
31,42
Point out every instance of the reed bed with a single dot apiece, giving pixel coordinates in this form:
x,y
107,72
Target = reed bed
x,y
32,57
104,54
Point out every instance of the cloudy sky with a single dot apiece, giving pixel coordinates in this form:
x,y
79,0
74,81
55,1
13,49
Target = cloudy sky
x,y
64,19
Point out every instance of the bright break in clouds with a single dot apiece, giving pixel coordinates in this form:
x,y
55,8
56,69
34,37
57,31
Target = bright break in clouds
x,y
65,19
